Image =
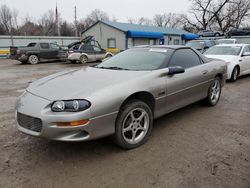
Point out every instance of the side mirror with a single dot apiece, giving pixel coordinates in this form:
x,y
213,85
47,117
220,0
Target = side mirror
x,y
175,70
246,54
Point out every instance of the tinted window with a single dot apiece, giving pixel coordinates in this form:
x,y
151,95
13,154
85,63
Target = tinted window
x,y
86,48
96,49
185,58
54,46
44,45
246,49
31,44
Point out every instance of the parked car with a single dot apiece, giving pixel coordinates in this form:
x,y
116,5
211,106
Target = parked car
x,y
87,50
237,57
201,45
210,33
226,41
88,53
36,52
120,96
239,31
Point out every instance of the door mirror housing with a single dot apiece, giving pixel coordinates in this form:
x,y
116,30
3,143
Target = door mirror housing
x,y
246,54
175,70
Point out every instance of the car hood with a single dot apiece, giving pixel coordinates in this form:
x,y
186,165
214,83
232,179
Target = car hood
x,y
80,83
227,58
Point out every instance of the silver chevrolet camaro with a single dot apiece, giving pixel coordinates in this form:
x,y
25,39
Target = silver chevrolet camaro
x,y
121,96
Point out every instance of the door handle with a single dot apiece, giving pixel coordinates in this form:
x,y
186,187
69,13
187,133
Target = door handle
x,y
205,72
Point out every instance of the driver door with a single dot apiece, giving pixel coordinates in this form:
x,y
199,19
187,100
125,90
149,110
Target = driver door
x,y
190,86
245,61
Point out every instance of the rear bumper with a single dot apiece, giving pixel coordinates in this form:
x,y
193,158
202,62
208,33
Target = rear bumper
x,y
22,58
35,107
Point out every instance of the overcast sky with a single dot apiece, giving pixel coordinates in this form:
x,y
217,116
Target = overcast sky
x,y
121,9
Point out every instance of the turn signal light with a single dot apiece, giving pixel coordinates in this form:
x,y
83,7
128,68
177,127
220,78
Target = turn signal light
x,y
73,123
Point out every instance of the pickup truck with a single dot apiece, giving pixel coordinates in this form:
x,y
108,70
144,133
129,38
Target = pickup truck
x,y
36,52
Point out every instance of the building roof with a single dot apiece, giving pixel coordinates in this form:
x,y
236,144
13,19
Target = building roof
x,y
125,27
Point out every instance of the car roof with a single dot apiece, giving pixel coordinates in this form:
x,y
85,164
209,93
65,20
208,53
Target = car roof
x,y
162,46
232,45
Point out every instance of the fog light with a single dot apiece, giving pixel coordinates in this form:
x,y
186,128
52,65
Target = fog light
x,y
73,123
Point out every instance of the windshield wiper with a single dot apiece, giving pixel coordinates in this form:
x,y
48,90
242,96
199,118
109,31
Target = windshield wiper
x,y
113,68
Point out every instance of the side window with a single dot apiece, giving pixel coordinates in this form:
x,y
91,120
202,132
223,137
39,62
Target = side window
x,y
246,49
88,48
111,43
54,46
45,45
185,58
96,49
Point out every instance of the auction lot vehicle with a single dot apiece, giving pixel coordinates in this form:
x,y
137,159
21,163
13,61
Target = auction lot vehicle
x,y
119,97
237,57
201,45
226,41
210,33
87,50
239,31
36,52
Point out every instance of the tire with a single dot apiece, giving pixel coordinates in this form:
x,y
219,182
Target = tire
x,y
33,59
133,125
108,56
214,92
72,61
217,34
235,74
83,59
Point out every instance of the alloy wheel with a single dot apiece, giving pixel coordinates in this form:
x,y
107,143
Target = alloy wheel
x,y
135,126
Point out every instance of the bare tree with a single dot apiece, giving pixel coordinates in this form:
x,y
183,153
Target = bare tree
x,y
232,15
140,21
48,23
8,20
168,20
203,13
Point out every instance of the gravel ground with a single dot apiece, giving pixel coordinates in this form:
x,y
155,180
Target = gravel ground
x,y
194,147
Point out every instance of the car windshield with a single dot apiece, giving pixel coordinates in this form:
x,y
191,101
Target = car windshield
x,y
196,44
224,50
225,41
136,59
31,44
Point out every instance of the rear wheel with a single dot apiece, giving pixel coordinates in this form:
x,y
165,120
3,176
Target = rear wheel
x,y
214,92
235,74
83,59
33,59
133,125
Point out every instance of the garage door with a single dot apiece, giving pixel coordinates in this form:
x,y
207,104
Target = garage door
x,y
138,42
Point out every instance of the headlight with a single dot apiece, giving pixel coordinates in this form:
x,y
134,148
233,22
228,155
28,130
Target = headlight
x,y
70,105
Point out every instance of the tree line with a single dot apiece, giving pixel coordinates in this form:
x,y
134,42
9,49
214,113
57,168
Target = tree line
x,y
221,15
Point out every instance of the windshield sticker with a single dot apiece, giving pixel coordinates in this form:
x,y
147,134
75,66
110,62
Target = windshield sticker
x,y
158,50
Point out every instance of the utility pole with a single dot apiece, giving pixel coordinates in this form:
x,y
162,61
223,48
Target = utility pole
x,y
76,31
57,22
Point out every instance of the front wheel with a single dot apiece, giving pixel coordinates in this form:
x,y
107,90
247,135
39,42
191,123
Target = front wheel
x,y
133,125
83,59
235,74
214,92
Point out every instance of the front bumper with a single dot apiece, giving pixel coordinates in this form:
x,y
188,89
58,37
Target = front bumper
x,y
36,107
74,56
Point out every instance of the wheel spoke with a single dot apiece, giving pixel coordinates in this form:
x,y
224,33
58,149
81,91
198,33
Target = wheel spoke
x,y
128,128
132,115
141,116
133,135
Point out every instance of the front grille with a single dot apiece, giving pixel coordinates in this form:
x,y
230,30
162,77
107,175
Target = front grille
x,y
28,122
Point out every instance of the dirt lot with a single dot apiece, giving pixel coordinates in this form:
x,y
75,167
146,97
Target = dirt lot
x,y
193,147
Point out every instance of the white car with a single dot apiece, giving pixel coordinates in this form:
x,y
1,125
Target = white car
x,y
237,57
227,41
